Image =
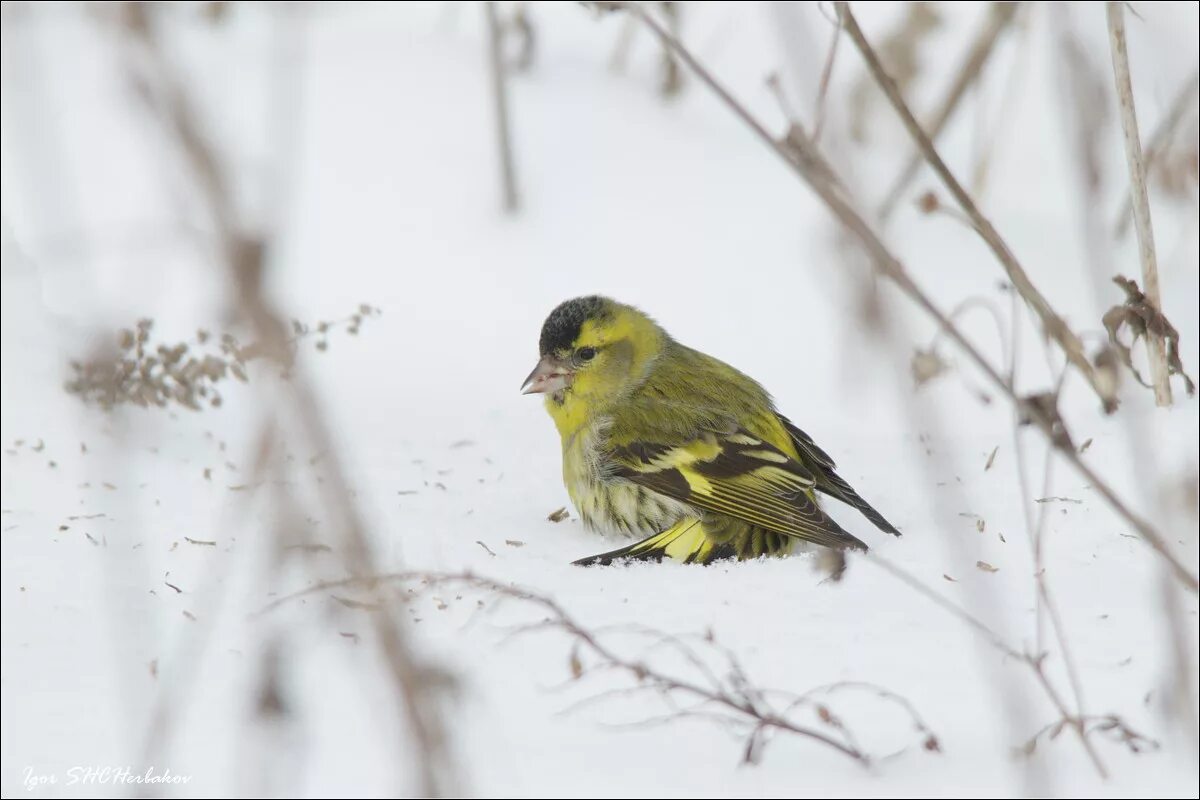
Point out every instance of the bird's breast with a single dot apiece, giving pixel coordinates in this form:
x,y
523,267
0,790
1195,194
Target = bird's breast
x,y
609,504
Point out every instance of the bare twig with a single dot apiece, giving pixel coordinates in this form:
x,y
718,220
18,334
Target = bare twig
x,y
1184,100
802,157
499,72
731,692
996,21
1054,325
1155,348
1113,727
930,742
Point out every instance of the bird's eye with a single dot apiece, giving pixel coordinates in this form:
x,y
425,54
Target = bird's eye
x,y
585,353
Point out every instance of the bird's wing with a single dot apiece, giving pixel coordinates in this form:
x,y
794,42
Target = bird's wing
x,y
736,474
828,481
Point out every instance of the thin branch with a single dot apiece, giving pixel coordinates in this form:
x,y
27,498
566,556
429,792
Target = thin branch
x,y
1115,727
1037,664
1054,326
931,743
996,21
499,73
1159,140
803,158
746,705
1156,350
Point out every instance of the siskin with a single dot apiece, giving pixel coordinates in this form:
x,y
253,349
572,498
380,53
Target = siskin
x,y
669,445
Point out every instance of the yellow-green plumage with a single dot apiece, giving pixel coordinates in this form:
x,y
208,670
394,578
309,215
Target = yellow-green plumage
x,y
681,450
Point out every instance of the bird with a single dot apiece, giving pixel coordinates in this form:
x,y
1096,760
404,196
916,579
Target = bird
x,y
677,449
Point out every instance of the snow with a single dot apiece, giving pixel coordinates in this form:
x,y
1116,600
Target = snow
x,y
391,183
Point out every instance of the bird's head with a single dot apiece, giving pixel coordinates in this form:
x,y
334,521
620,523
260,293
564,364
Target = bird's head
x,y
593,350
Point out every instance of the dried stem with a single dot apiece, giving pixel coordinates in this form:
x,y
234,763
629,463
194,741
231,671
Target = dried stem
x,y
1054,326
803,158
1156,352
499,73
996,21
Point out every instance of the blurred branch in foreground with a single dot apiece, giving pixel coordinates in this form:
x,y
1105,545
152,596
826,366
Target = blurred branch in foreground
x,y
1053,324
713,685
997,19
1083,102
1160,140
806,161
901,47
157,80
499,72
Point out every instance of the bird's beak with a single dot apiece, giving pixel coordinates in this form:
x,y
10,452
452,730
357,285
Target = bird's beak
x,y
550,375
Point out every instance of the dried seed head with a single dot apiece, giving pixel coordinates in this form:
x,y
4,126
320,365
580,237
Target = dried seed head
x,y
927,365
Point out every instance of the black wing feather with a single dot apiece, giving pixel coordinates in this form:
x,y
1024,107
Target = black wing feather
x,y
828,481
745,478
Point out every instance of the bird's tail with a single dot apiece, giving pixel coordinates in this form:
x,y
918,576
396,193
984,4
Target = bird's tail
x,y
828,481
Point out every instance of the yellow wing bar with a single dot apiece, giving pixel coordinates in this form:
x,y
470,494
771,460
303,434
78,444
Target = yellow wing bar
x,y
738,475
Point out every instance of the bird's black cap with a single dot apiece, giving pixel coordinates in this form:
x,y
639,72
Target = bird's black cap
x,y
561,328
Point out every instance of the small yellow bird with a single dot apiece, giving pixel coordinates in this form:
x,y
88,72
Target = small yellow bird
x,y
670,445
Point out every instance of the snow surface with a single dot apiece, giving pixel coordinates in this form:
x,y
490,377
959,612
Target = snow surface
x,y
390,177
